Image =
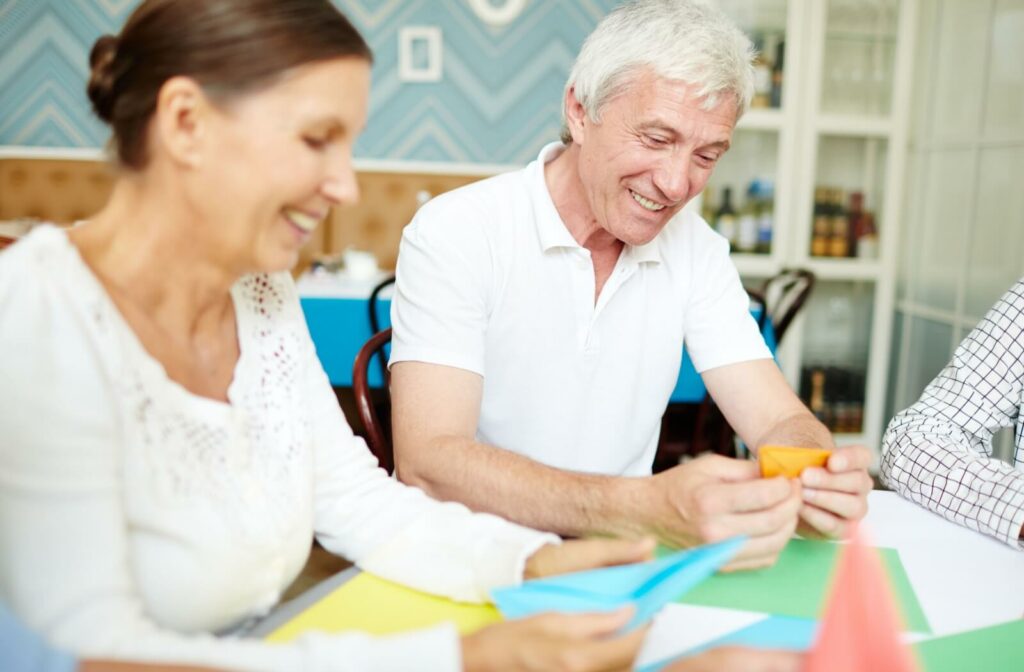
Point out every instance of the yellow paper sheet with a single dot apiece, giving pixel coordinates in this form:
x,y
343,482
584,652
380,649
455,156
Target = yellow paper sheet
x,y
370,604
789,461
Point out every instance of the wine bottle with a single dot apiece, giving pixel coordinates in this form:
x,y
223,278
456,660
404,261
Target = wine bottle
x,y
839,231
776,94
765,216
762,75
822,223
725,218
746,237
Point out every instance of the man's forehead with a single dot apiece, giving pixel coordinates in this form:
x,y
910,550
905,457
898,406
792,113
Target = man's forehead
x,y
651,91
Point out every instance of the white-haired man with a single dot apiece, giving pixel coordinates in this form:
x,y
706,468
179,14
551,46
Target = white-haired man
x,y
540,316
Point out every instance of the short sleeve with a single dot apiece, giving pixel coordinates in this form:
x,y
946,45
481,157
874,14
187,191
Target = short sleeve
x,y
442,293
719,327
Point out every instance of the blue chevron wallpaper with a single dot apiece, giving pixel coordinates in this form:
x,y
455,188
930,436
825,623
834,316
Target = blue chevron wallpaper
x,y
497,100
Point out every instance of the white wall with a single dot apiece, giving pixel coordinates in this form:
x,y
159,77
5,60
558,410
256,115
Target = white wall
x,y
963,232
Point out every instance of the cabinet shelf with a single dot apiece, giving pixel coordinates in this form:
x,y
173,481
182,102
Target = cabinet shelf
x,y
762,119
755,265
854,125
844,269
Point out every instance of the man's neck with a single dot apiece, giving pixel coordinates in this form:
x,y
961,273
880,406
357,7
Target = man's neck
x,y
563,181
562,177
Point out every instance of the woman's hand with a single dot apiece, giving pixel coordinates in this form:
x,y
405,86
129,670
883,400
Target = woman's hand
x,y
570,642
736,659
577,555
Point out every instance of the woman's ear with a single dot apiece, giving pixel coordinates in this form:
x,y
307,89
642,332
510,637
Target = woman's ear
x,y
180,121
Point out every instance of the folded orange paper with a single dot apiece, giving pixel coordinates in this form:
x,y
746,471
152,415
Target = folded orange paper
x,y
789,461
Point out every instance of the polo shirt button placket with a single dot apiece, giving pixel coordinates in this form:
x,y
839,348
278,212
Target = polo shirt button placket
x,y
585,298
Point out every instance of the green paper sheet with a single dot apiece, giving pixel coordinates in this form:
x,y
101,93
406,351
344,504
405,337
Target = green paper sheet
x,y
798,584
1000,647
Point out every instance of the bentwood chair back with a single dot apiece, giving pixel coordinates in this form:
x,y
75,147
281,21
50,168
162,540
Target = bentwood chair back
x,y
376,417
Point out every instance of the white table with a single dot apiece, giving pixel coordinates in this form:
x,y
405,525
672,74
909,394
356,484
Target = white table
x,y
963,580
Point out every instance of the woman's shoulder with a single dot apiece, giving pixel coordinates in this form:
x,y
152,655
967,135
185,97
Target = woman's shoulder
x,y
39,274
40,250
56,347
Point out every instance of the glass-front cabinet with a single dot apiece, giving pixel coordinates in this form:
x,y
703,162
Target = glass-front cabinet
x,y
814,180
744,201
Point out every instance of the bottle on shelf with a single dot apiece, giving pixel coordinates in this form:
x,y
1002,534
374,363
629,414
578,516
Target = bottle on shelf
x,y
762,75
839,230
835,395
817,397
746,235
854,216
867,237
725,218
765,216
707,207
775,97
858,381
821,229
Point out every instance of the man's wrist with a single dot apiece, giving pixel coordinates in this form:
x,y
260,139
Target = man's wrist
x,y
626,507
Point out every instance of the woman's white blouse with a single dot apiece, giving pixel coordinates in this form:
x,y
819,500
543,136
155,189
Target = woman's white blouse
x,y
136,518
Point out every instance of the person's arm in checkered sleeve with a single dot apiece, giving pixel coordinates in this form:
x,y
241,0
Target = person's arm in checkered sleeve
x,y
938,452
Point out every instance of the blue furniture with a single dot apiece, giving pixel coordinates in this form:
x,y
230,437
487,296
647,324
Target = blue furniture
x,y
340,326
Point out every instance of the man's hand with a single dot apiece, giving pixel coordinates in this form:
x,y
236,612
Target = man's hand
x,y
575,556
579,642
837,494
713,498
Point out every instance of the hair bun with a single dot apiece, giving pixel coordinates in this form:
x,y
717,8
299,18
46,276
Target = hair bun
x,y
101,81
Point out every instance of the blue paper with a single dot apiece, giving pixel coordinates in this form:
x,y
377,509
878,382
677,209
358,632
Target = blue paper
x,y
775,632
648,585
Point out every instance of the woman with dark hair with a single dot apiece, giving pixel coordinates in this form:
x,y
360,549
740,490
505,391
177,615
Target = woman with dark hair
x,y
170,443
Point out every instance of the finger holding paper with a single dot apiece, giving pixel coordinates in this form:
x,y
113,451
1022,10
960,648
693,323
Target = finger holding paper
x,y
713,498
836,494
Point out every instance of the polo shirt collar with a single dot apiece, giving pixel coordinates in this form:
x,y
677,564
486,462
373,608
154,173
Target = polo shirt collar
x,y
550,227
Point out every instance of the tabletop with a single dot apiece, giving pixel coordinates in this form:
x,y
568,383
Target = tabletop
x,y
963,581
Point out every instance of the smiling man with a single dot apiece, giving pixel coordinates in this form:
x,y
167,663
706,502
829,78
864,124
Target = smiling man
x,y
540,316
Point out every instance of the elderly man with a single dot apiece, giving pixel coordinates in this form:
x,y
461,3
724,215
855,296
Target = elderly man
x,y
540,316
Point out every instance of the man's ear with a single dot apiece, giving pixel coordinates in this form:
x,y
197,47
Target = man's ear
x,y
575,117
181,119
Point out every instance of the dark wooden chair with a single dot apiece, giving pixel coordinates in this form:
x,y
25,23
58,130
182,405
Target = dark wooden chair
x,y
784,295
375,326
378,430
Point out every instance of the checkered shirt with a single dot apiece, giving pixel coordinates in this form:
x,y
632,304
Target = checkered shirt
x,y
938,452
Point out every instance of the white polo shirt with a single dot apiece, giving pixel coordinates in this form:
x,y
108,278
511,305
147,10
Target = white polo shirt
x,y
490,280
